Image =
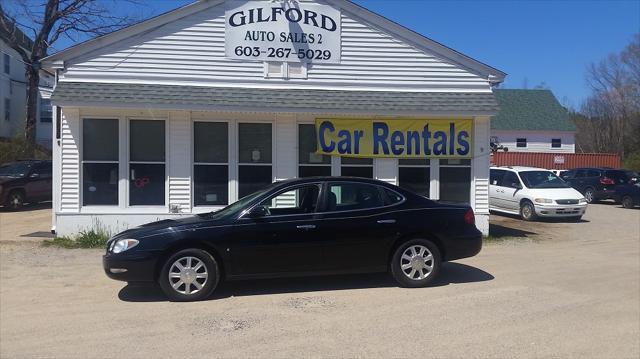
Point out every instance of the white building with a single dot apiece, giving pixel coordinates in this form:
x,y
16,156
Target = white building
x,y
532,121
179,114
13,95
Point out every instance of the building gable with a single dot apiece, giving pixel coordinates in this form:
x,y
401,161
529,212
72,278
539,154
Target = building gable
x,y
189,48
530,110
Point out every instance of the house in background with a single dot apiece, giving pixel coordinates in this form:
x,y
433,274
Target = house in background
x,y
13,94
532,121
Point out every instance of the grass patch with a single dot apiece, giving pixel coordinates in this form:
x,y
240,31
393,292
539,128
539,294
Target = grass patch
x,y
85,239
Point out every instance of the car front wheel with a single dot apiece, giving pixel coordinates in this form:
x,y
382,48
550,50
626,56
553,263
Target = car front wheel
x,y
189,275
416,263
528,211
627,202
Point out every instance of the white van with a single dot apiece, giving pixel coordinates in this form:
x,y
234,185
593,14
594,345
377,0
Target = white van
x,y
532,193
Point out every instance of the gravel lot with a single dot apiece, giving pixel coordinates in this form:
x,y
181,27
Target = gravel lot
x,y
555,289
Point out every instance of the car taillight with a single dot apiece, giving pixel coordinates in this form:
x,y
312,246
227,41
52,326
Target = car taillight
x,y
469,217
606,180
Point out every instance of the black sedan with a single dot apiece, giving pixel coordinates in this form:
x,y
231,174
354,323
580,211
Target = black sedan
x,y
310,226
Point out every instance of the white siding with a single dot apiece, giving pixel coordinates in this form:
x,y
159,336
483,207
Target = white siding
x,y
179,160
191,51
70,153
480,166
537,141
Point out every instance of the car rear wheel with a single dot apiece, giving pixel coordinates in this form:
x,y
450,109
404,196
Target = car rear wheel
x,y
15,200
528,211
189,275
627,202
589,195
415,263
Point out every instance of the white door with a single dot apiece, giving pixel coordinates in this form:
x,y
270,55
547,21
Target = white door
x,y
509,192
495,178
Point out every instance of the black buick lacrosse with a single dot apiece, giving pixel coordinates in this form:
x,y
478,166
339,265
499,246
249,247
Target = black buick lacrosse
x,y
311,226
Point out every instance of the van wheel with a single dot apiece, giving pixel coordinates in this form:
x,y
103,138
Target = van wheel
x,y
627,202
528,211
189,275
15,200
415,263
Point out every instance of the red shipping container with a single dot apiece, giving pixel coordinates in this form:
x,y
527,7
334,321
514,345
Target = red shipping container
x,y
559,161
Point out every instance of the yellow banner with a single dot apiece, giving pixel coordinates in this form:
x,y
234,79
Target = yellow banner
x,y
395,138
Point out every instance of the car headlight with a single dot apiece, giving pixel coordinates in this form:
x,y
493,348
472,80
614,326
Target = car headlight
x,y
543,200
582,200
122,245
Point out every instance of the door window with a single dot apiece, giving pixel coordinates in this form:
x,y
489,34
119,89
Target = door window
x,y
211,163
147,163
255,157
593,173
510,180
100,167
495,177
300,200
310,163
356,167
415,175
353,196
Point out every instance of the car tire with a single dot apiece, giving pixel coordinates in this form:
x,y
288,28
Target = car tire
x,y
589,194
627,202
194,275
415,263
528,211
15,200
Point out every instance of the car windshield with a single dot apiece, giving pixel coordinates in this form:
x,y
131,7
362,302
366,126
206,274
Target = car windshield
x,y
542,179
236,207
15,169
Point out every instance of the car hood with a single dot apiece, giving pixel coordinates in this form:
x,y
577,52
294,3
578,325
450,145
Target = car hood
x,y
556,193
166,225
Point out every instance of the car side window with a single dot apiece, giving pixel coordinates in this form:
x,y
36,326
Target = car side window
x,y
391,197
567,174
593,173
495,177
353,196
294,201
510,180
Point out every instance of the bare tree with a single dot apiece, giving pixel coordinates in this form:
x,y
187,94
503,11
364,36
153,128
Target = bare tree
x,y
611,114
50,20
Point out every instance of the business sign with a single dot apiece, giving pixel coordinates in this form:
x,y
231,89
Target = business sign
x,y
400,138
288,31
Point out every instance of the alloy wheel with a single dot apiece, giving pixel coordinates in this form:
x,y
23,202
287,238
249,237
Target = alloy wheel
x,y
589,195
527,211
188,275
417,262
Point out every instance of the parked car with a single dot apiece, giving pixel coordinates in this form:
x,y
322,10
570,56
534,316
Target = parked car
x,y
25,182
628,194
532,193
324,225
597,183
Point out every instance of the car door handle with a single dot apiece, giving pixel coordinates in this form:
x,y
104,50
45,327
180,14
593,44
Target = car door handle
x,y
387,221
307,226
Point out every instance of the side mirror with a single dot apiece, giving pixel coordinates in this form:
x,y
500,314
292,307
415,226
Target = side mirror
x,y
258,212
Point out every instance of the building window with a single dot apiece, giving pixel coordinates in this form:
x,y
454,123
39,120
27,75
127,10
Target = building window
x,y
556,143
415,175
455,180
356,167
147,163
100,150
7,109
311,164
521,142
255,141
7,64
285,70
211,163
46,112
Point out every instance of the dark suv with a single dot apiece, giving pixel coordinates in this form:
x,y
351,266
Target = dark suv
x,y
25,181
597,183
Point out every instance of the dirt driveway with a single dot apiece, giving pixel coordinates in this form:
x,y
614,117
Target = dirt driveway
x,y
562,290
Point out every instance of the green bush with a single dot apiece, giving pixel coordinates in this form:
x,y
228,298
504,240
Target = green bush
x,y
86,239
632,162
19,149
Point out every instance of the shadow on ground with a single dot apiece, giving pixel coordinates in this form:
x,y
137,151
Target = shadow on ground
x,y
499,231
27,207
450,273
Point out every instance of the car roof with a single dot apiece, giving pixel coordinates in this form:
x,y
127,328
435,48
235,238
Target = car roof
x,y
332,178
518,168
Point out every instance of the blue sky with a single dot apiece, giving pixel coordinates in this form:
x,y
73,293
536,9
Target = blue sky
x,y
534,42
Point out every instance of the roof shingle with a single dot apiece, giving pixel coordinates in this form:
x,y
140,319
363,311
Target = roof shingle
x,y
530,110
